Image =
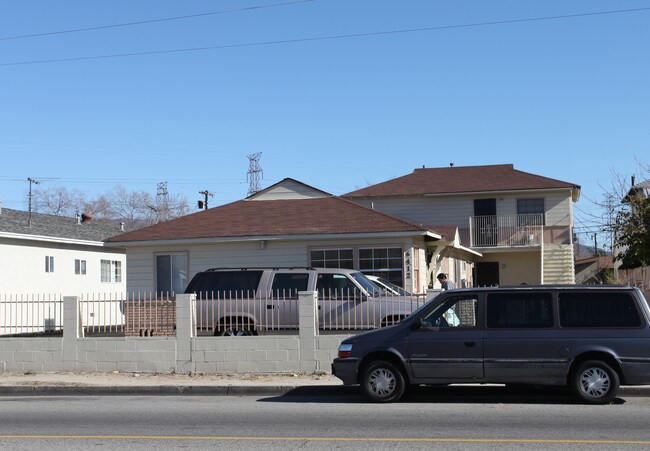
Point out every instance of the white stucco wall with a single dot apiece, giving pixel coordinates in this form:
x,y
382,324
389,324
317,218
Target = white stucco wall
x,y
22,268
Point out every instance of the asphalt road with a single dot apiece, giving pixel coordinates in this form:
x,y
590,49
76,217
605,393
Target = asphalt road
x,y
464,418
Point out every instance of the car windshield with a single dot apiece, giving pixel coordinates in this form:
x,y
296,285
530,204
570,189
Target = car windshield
x,y
366,284
396,288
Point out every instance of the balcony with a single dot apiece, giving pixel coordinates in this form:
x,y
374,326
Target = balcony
x,y
506,231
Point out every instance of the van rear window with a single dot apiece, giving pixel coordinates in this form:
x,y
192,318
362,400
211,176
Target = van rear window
x,y
598,310
225,284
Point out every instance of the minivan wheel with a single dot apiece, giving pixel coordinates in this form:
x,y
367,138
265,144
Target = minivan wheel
x,y
595,382
383,382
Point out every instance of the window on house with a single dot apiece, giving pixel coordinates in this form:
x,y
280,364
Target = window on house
x,y
384,262
171,273
49,263
530,211
80,267
332,258
111,271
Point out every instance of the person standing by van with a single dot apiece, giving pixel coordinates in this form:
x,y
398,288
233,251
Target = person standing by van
x,y
445,282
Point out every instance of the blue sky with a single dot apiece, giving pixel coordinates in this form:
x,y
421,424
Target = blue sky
x,y
567,98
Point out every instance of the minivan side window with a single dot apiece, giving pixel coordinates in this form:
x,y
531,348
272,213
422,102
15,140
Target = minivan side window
x,y
598,310
458,311
225,284
519,310
287,285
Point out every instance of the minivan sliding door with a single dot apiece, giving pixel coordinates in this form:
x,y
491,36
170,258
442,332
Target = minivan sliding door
x,y
449,343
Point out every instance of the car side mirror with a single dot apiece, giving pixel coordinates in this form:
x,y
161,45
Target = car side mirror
x,y
419,323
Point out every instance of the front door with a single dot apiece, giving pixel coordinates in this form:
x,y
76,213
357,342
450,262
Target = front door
x,y
485,222
487,274
449,343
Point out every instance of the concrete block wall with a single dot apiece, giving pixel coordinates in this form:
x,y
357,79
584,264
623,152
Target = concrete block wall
x,y
305,352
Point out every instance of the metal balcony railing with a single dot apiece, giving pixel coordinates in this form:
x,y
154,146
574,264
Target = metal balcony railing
x,y
506,231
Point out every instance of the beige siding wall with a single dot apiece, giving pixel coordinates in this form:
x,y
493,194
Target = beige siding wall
x,y
456,210
141,260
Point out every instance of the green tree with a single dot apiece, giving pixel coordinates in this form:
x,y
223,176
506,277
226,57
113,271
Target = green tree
x,y
633,232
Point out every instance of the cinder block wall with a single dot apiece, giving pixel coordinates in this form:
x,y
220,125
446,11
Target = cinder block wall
x,y
305,352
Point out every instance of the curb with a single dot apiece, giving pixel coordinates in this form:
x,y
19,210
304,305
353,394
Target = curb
x,y
207,390
161,390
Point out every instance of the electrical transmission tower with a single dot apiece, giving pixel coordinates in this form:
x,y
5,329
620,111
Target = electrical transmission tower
x,y
254,173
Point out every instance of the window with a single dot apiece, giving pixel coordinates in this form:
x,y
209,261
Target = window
x,y
225,284
49,263
530,211
171,273
332,258
458,311
80,267
598,310
111,271
519,310
383,262
287,285
336,286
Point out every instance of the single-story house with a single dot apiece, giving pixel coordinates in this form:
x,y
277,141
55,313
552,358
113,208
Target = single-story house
x,y
46,254
289,224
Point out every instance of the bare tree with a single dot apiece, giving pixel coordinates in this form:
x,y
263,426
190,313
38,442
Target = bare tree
x,y
57,201
134,208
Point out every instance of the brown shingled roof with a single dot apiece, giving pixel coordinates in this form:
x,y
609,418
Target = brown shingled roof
x,y
461,179
329,215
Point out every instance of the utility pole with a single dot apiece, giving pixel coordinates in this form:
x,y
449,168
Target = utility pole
x,y
595,245
31,182
204,203
254,173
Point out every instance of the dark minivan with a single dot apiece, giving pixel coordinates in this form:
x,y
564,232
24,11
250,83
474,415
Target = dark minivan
x,y
591,338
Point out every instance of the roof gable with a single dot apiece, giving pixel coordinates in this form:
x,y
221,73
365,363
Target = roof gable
x,y
288,189
461,179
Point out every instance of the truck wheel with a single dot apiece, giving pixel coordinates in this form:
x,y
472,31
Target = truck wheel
x,y
235,329
595,382
382,381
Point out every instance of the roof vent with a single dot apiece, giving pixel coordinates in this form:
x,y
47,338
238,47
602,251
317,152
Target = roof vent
x,y
85,217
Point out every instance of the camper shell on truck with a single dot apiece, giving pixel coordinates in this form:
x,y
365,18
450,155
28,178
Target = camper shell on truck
x,y
245,301
590,338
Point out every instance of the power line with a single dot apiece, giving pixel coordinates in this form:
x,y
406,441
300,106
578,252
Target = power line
x,y
324,38
144,22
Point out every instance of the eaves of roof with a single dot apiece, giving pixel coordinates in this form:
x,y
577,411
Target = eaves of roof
x,y
460,180
248,219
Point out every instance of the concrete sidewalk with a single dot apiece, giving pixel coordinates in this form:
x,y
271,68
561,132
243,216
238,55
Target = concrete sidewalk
x,y
116,383
96,383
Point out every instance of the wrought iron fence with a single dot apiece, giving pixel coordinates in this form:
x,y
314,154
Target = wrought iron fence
x,y
519,230
30,314
249,313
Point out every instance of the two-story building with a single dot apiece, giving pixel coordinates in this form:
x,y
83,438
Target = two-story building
x,y
521,223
